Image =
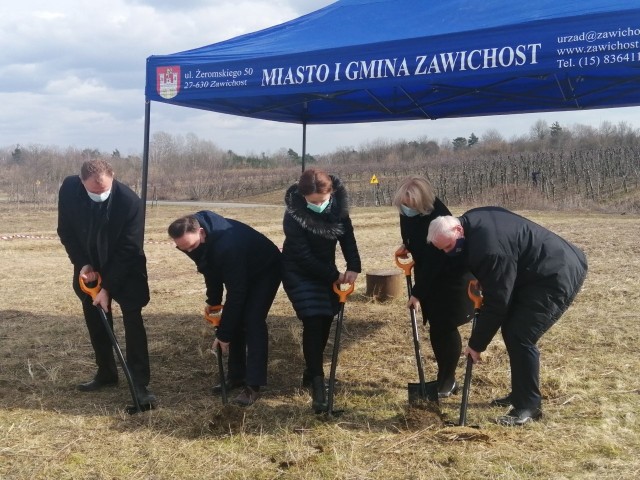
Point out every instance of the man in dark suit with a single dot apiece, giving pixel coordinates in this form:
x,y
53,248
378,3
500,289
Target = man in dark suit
x,y
232,255
101,225
529,277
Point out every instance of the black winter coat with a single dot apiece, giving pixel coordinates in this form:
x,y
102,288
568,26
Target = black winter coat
x,y
232,256
309,251
441,281
118,253
517,260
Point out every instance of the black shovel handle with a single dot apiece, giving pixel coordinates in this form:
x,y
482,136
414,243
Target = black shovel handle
x,y
475,295
406,264
223,382
213,315
416,347
92,292
342,295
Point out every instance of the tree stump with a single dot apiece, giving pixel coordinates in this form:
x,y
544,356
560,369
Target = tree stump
x,y
384,285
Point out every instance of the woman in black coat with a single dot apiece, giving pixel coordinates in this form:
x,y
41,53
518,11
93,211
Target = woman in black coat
x,y
315,221
440,288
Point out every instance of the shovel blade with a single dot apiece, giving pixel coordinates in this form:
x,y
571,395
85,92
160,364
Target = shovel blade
x,y
413,389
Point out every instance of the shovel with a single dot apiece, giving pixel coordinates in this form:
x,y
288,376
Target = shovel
x,y
342,294
93,292
422,390
475,295
212,315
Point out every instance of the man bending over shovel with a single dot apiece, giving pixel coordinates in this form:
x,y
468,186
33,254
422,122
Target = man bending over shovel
x,y
529,277
233,255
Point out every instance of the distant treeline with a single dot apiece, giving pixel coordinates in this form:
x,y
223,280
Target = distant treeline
x,y
551,168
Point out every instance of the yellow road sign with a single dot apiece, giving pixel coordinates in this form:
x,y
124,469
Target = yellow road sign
x,y
374,180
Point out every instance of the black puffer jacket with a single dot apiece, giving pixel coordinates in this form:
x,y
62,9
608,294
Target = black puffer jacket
x,y
518,261
441,281
309,251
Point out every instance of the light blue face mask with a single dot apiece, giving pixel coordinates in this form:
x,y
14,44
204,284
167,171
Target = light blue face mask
x,y
408,211
99,197
318,208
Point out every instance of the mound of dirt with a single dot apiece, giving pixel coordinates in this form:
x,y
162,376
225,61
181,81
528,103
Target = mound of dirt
x,y
456,434
229,419
422,414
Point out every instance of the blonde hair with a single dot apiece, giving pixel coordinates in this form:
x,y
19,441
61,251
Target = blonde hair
x,y
418,192
443,226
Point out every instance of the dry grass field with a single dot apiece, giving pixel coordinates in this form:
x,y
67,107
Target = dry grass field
x,y
49,430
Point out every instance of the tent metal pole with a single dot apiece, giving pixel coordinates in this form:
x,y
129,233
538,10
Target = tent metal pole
x,y
304,143
145,159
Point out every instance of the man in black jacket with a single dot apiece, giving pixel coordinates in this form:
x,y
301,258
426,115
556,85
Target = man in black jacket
x,y
233,255
529,277
101,225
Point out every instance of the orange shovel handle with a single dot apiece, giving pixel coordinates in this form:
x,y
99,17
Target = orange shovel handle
x,y
408,263
91,291
475,293
343,294
212,314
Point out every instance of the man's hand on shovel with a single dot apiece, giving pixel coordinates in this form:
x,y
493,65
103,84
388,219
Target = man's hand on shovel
x,y
475,356
102,298
213,315
224,346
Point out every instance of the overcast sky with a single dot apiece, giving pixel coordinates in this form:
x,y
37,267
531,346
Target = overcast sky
x,y
72,73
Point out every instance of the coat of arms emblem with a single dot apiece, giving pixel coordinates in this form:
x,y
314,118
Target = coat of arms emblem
x,y
168,81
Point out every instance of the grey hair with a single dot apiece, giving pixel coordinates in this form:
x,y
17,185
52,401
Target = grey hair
x,y
442,227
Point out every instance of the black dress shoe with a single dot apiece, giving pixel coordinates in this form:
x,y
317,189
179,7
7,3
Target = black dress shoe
x,y
145,396
231,385
519,416
501,402
96,384
447,393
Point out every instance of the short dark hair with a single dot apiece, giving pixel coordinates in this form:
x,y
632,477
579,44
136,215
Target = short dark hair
x,y
314,180
96,167
179,227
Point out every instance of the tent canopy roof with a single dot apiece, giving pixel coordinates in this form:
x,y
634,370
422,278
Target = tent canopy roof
x,y
380,60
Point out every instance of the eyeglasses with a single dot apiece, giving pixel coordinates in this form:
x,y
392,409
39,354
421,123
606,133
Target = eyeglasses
x,y
188,242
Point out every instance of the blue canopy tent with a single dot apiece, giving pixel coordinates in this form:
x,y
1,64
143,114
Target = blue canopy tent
x,y
382,60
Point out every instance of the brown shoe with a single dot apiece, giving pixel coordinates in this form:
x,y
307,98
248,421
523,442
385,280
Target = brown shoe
x,y
247,397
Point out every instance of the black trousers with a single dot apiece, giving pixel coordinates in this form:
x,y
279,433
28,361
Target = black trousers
x,y
315,335
137,354
249,347
447,347
525,325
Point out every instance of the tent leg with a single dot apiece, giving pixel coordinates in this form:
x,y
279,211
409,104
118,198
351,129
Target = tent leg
x,y
145,159
304,143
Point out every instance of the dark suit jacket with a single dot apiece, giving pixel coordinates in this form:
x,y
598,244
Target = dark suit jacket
x,y
117,252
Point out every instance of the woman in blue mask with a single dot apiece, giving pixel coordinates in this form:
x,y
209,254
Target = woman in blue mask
x,y
440,288
315,221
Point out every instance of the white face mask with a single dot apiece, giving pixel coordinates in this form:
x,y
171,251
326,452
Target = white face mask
x,y
99,197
